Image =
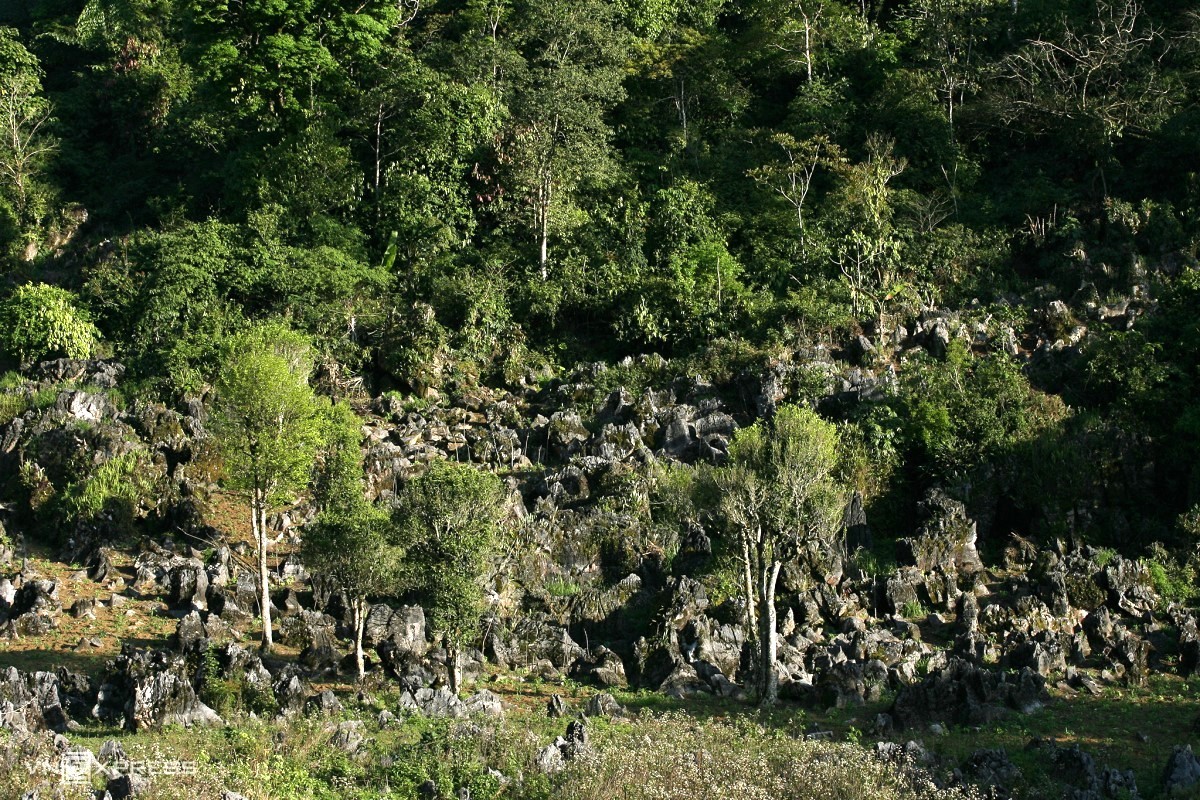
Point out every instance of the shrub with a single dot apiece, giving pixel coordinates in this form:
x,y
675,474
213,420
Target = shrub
x,y
40,320
1175,581
114,496
561,587
1084,592
967,410
13,405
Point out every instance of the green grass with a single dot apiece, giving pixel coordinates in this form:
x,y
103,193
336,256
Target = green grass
x,y
1109,727
276,759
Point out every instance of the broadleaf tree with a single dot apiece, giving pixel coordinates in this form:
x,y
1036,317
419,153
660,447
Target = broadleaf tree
x,y
267,422
778,494
39,320
450,518
350,543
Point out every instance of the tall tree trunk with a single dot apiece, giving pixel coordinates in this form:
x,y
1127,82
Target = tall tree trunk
x,y
259,515
544,197
453,670
748,577
377,184
769,637
360,622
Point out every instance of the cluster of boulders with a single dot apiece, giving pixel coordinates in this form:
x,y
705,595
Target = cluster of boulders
x,y
545,428
621,613
28,607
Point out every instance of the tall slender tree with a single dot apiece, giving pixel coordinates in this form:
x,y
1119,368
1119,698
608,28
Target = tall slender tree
x,y
350,544
558,137
777,494
267,423
450,517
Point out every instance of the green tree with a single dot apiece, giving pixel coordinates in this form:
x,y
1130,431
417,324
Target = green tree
x,y
868,256
349,544
778,494
268,426
24,114
450,517
558,137
39,320
1093,82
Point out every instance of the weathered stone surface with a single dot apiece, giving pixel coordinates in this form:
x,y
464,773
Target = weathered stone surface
x,y
602,667
946,542
1129,586
993,771
189,633
290,695
604,705
324,704
444,703
1182,772
36,701
349,736
147,689
965,694
556,706
533,638
403,627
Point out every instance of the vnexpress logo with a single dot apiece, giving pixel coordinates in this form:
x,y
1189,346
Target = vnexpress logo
x,y
80,767
76,767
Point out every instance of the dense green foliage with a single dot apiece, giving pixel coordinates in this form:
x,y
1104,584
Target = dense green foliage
x,y
450,517
778,496
454,192
350,543
40,321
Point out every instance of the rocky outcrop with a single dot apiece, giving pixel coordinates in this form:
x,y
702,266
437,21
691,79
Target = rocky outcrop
x,y
30,610
444,703
403,628
146,689
37,701
946,541
601,667
964,694
1181,774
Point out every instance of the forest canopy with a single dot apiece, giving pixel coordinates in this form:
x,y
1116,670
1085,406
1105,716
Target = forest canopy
x,y
455,192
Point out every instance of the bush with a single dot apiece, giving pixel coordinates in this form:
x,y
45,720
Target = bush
x,y
115,495
1174,581
1084,592
40,321
966,410
234,695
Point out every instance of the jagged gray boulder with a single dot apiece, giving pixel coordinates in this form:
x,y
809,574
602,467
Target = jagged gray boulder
x,y
36,701
403,628
289,695
165,698
348,736
993,771
604,705
324,703
1182,771
602,667
965,694
484,704
1130,587
444,703
556,706
946,541
187,585
146,689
